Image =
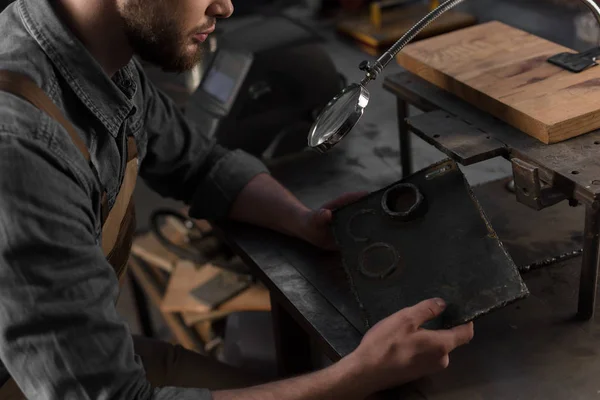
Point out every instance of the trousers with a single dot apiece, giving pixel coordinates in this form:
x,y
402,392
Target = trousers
x,y
169,365
173,365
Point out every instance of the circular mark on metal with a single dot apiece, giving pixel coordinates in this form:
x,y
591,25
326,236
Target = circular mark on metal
x,y
402,201
359,225
378,261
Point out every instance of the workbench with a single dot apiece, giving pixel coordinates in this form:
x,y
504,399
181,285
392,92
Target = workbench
x,y
533,349
545,175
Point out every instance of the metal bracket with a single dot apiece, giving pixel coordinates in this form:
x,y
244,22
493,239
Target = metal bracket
x,y
576,62
530,189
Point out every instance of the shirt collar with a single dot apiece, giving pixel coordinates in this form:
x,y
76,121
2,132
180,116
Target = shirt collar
x,y
100,94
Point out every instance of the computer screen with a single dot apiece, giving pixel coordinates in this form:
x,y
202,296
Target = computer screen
x,y
219,84
225,75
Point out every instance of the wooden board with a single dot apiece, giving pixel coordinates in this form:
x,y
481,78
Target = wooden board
x,y
255,298
504,71
395,23
187,276
148,248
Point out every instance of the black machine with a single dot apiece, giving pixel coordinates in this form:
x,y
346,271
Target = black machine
x,y
264,87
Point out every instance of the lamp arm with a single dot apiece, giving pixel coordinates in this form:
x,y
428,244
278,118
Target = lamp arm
x,y
372,70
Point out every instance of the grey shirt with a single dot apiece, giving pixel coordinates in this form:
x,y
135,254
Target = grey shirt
x,y
60,335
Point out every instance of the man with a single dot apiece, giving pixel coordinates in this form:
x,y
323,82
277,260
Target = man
x,y
60,336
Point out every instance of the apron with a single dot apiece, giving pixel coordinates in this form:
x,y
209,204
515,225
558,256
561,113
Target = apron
x,y
118,225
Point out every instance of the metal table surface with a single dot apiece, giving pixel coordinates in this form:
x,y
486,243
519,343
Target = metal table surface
x,y
531,349
544,174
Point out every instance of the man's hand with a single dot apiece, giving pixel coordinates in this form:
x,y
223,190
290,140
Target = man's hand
x,y
397,350
265,202
394,352
316,225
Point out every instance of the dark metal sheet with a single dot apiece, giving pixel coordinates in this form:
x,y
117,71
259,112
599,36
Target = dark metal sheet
x,y
460,140
221,288
443,247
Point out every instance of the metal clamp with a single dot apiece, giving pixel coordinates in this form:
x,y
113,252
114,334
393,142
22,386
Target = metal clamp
x,y
530,189
576,62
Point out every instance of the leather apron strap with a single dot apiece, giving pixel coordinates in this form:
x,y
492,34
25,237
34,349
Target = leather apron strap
x,y
118,225
119,228
22,86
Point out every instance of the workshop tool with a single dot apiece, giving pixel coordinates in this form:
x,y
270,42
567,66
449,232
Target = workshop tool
x,y
343,112
220,288
425,237
387,20
202,288
198,245
264,86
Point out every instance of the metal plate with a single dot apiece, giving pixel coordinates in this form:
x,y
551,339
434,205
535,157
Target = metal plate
x,y
575,62
221,288
459,139
425,237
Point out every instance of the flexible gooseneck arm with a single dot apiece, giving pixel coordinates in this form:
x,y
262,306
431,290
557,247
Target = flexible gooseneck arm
x,y
372,70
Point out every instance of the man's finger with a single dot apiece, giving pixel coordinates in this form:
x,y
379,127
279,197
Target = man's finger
x,y
456,337
426,311
463,334
345,199
322,217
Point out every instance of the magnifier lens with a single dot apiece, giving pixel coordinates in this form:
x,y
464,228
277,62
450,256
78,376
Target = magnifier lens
x,y
339,117
338,114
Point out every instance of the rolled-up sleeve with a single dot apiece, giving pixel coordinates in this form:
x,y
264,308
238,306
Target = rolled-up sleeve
x,y
60,334
184,163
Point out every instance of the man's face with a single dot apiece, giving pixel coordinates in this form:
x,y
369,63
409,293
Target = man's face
x,y
169,33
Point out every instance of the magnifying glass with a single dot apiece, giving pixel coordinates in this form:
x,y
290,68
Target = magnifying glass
x,y
343,112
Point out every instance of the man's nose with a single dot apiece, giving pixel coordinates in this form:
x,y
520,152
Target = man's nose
x,y
220,9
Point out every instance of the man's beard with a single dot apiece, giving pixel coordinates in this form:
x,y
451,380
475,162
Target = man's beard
x,y
154,34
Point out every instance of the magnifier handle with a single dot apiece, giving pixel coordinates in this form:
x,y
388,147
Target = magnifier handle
x,y
376,68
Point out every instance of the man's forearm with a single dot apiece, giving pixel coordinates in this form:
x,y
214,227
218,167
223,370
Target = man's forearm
x,y
265,202
343,380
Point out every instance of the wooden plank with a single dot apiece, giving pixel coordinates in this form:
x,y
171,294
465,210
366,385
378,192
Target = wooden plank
x,y
255,298
185,336
504,71
185,277
395,23
148,248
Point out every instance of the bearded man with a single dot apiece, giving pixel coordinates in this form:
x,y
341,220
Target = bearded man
x,y
79,123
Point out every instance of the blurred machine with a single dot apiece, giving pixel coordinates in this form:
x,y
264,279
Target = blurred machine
x,y
264,86
383,22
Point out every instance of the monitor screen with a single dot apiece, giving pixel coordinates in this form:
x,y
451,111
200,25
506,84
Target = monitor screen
x,y
225,75
219,84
